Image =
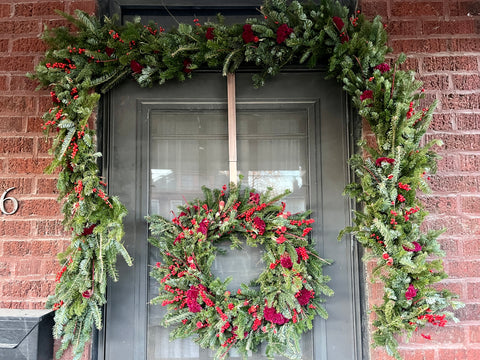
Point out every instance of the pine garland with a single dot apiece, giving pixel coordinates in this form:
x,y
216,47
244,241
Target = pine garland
x,y
82,63
276,308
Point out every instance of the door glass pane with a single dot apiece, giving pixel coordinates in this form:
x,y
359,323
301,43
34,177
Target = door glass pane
x,y
190,149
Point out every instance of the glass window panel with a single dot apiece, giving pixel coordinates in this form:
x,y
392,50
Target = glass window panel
x,y
190,149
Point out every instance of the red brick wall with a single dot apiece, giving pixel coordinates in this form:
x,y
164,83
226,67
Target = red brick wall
x,y
31,238
442,41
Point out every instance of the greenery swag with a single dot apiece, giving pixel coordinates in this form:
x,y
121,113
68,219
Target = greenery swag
x,y
93,56
277,307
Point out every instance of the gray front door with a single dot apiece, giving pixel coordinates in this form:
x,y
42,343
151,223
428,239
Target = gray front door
x,y
166,142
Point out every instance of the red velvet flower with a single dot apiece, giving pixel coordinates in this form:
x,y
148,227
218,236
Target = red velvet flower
x,y
304,296
87,293
271,314
411,292
286,261
383,67
283,32
136,67
254,198
338,23
186,66
109,51
248,35
210,35
379,161
259,225
367,94
88,230
417,247
203,227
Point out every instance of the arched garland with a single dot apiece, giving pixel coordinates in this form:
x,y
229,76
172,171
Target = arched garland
x,y
95,56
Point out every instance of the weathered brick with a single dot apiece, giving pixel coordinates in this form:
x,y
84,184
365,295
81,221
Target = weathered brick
x,y
33,247
16,145
463,268
470,312
464,8
430,45
5,10
435,82
3,49
20,27
373,8
417,8
468,121
5,268
21,289
448,163
403,27
461,142
454,27
471,204
418,354
28,165
47,186
15,105
467,101
22,185
30,45
38,207
49,228
441,121
38,8
440,204
455,183
22,83
21,63
467,44
469,162
449,63
471,247
85,5
15,228
466,82
11,124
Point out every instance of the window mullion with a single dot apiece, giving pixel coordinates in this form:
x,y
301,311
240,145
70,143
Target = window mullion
x,y
232,128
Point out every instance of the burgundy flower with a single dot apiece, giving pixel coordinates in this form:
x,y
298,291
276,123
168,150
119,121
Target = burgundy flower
x,y
136,67
203,227
411,292
417,247
271,314
338,23
88,230
254,198
259,225
192,293
367,94
187,70
304,296
283,32
193,306
383,67
248,35
286,261
210,35
109,51
380,160
87,293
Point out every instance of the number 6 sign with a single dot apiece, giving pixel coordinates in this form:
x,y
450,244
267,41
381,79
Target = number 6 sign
x,y
4,199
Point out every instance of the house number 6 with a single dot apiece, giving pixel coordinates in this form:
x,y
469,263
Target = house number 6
x,y
4,199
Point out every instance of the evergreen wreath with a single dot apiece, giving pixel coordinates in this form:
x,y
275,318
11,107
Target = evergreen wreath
x,y
95,56
277,307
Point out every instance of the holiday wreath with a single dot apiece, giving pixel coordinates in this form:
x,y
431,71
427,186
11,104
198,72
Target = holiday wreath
x,y
276,308
95,56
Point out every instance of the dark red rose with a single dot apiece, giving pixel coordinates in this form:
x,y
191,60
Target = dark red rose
x,y
192,293
210,35
109,51
136,67
87,293
248,35
338,22
187,70
283,32
367,94
193,306
88,230
304,296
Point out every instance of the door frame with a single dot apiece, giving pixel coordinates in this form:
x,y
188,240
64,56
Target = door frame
x,y
356,268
